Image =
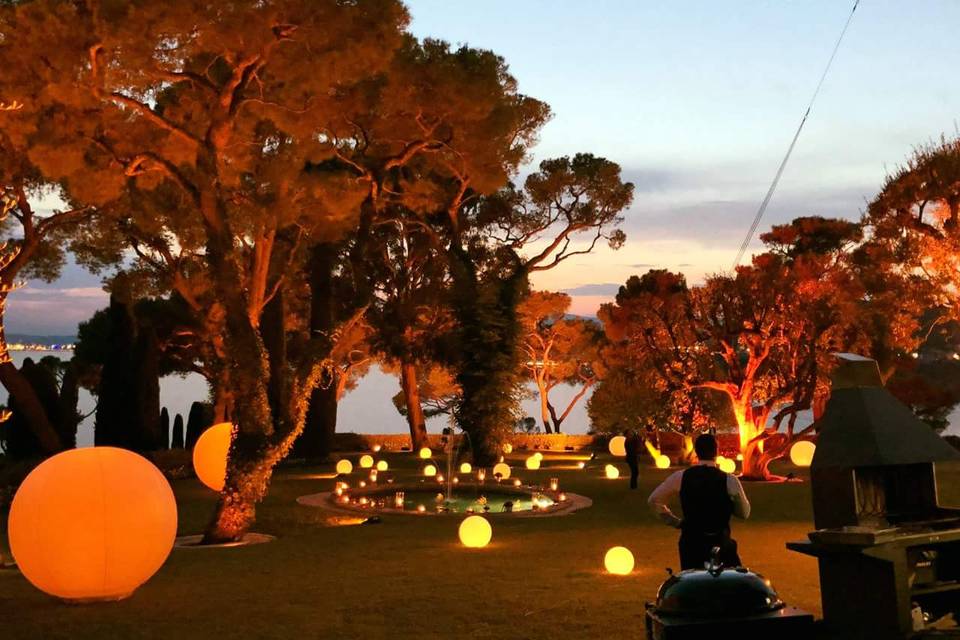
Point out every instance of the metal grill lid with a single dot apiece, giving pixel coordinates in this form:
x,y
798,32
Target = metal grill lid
x,y
726,593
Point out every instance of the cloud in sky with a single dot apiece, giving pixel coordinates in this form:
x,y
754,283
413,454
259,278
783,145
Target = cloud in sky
x,y
594,289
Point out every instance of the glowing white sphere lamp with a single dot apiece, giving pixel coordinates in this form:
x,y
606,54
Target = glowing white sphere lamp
x,y
801,453
618,446
618,561
475,532
502,469
612,472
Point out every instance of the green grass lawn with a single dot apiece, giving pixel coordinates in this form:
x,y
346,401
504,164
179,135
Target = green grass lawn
x,y
540,578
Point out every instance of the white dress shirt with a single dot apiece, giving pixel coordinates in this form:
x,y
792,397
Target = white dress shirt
x,y
671,487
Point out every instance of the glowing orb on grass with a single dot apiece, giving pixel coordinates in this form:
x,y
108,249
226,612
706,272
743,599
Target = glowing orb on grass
x,y
429,471
376,448
538,455
533,462
662,462
92,524
366,461
210,455
801,453
501,469
612,472
618,446
382,465
344,467
726,465
466,467
425,453
618,561
507,448
475,532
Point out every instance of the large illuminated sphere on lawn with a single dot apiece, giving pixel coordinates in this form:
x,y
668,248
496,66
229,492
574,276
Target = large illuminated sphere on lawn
x,y
618,561
502,469
210,455
612,472
662,462
92,524
430,471
344,467
475,532
366,461
382,465
425,453
533,462
466,467
801,453
726,465
618,446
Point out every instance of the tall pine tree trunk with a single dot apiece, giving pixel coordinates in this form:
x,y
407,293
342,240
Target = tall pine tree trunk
x,y
316,441
411,396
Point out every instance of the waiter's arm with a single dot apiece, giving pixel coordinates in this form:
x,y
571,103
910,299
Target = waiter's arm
x,y
661,496
741,506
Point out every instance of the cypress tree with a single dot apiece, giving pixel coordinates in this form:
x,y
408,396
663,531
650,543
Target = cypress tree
x,y
177,442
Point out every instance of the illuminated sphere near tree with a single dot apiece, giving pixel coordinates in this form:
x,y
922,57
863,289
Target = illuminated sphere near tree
x,y
533,462
538,455
507,448
662,462
502,469
210,455
801,453
425,453
618,446
344,467
475,532
366,461
92,524
429,471
466,467
382,465
726,465
618,561
612,472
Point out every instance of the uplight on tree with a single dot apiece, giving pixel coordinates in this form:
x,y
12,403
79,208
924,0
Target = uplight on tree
x,y
618,561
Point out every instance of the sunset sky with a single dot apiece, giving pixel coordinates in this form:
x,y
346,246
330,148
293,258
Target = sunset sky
x,y
697,101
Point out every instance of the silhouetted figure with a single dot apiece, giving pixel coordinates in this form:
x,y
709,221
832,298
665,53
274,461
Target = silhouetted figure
x,y
708,497
633,446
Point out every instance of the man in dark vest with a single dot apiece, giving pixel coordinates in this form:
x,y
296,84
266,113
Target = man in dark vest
x,y
708,497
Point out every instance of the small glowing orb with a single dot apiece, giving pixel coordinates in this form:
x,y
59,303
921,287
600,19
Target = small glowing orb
x,y
618,446
727,465
438,497
344,467
581,465
376,448
92,524
466,467
517,482
740,457
662,462
421,508
507,448
425,453
366,461
801,453
440,478
501,469
475,532
538,455
362,484
210,455
612,472
456,480
382,465
533,462
562,497
363,501
429,471
618,561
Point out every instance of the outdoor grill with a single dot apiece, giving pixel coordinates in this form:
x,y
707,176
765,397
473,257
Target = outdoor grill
x,y
888,553
722,602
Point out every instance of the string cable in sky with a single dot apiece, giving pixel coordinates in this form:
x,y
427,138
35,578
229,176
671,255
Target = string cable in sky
x,y
793,143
